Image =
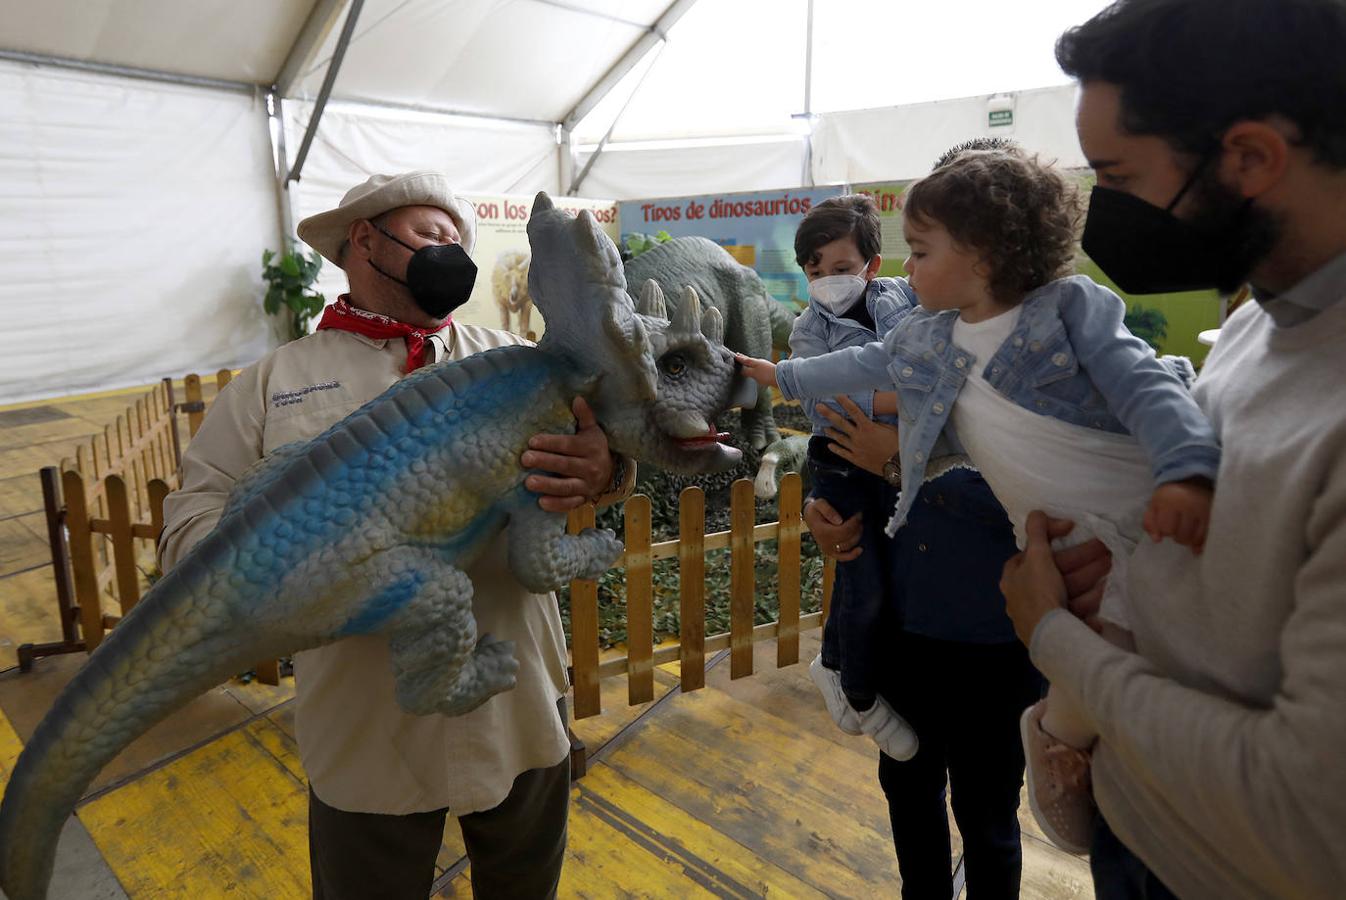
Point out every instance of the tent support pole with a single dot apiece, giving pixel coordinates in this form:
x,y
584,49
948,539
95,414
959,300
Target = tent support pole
x,y
807,175
607,136
317,26
284,200
656,34
81,65
338,54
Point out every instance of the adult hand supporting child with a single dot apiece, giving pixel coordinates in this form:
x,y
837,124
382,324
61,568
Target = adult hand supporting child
x,y
836,537
857,438
1036,581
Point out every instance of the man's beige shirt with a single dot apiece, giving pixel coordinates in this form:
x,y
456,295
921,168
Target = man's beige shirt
x,y
362,753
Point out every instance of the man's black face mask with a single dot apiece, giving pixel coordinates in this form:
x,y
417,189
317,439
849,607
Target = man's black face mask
x,y
1149,250
439,276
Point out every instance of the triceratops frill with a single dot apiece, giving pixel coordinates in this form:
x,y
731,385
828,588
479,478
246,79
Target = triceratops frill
x,y
368,528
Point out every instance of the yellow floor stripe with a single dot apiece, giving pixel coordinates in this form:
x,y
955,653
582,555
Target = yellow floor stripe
x,y
227,820
612,810
10,748
798,800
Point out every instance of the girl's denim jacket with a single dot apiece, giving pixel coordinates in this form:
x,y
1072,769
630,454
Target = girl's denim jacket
x,y
1069,357
818,332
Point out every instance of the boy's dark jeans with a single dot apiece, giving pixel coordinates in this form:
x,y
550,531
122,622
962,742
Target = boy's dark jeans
x,y
964,701
852,635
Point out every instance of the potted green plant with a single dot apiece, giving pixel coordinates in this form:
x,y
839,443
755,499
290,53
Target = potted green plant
x,y
289,281
1148,324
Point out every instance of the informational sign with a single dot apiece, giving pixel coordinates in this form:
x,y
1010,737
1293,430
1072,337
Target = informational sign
x,y
893,247
758,229
500,297
1181,317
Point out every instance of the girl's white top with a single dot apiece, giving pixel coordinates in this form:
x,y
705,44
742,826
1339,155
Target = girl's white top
x,y
1033,461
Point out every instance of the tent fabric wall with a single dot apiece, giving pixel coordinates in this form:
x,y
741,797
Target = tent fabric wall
x,y
354,142
680,171
900,142
132,221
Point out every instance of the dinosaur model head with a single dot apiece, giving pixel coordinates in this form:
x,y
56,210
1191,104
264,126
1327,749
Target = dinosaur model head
x,y
656,385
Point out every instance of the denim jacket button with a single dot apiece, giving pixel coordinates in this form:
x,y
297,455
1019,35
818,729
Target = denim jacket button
x,y
1060,359
906,371
995,370
961,362
1018,342
920,455
939,346
938,408
921,547
1035,346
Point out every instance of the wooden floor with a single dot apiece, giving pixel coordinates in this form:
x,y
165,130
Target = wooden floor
x,y
743,789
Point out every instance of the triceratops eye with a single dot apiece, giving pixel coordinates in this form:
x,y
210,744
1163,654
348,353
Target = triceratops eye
x,y
673,364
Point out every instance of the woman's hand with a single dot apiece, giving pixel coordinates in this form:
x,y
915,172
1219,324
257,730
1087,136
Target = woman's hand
x,y
858,439
836,537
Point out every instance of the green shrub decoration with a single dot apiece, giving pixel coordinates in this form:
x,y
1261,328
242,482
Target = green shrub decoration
x,y
663,490
635,243
289,286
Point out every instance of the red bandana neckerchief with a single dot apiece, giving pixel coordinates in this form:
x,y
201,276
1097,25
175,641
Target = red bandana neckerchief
x,y
344,317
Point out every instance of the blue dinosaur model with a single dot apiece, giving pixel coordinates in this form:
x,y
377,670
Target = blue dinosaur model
x,y
368,528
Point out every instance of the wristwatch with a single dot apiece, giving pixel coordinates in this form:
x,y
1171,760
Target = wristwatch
x,y
892,471
618,478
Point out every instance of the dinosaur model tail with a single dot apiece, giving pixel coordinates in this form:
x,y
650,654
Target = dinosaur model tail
x,y
163,654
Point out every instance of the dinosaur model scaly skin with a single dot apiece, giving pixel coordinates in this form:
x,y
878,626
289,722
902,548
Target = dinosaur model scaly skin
x,y
754,320
368,528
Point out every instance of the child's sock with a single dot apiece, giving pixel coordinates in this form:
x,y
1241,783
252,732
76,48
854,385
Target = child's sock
x,y
860,702
1066,722
1063,719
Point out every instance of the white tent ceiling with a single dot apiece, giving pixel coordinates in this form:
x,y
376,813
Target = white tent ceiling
x,y
730,67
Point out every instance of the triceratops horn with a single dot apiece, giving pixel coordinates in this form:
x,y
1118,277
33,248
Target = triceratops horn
x,y
712,325
651,301
688,317
541,203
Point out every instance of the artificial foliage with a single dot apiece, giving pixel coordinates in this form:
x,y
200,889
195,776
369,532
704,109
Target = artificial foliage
x,y
289,286
664,489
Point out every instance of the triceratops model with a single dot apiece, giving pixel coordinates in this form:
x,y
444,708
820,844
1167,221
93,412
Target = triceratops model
x,y
368,528
754,320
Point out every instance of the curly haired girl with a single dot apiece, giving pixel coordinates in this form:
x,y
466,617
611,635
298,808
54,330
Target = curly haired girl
x,y
1034,377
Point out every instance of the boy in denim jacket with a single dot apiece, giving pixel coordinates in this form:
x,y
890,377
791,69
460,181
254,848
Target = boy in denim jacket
x,y
837,246
1036,379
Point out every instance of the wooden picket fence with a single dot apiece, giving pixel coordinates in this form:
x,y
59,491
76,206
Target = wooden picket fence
x,y
690,550
104,513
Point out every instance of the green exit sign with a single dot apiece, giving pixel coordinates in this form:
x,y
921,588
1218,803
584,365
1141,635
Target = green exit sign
x,y
1000,117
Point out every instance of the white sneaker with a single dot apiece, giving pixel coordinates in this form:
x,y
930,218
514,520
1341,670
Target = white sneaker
x,y
839,708
890,731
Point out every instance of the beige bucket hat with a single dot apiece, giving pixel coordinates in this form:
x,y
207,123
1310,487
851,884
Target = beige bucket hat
x,y
326,231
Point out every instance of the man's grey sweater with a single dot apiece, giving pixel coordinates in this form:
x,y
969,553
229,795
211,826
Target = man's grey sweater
x,y
1222,753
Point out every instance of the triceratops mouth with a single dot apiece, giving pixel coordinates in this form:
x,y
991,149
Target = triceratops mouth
x,y
712,436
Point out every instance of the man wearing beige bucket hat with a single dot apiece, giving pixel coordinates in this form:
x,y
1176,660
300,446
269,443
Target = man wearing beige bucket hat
x,y
382,781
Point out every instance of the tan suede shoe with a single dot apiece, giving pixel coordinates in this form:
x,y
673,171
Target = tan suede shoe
x,y
1059,791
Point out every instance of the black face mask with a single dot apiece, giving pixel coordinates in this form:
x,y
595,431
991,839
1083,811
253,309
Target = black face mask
x,y
1148,250
439,276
